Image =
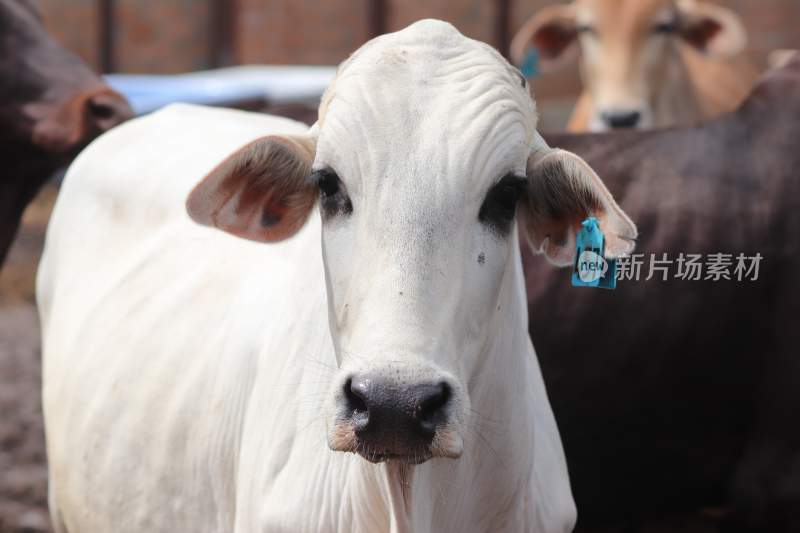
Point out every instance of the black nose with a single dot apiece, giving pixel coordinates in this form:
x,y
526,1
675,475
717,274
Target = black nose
x,y
621,119
394,418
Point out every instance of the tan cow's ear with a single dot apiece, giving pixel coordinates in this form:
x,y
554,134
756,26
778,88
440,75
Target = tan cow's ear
x,y
261,192
552,31
712,29
563,191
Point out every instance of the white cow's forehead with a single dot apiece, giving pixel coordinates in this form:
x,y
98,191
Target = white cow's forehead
x,y
430,94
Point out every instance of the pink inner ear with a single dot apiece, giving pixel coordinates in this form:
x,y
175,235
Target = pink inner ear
x,y
552,40
274,211
264,210
258,193
271,215
700,35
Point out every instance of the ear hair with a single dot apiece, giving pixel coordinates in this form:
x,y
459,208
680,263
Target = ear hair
x,y
563,191
275,172
559,190
260,192
712,29
556,198
552,32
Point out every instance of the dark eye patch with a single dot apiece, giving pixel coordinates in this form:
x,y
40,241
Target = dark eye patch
x,y
333,198
500,205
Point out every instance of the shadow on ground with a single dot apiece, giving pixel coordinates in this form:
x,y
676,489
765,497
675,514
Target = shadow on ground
x,y
23,483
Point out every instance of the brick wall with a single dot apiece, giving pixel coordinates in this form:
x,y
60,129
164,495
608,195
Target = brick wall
x,y
175,35
162,36
300,31
474,18
73,23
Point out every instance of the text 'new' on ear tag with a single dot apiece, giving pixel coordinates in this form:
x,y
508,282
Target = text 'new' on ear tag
x,y
591,268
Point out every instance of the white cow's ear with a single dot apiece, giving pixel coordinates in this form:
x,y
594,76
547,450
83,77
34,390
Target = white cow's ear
x,y
553,33
260,192
562,192
712,29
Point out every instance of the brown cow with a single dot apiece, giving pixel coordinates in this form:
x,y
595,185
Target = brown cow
x,y
675,395
51,105
644,63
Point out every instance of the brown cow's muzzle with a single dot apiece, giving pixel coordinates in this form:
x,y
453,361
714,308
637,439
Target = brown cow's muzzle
x,y
73,124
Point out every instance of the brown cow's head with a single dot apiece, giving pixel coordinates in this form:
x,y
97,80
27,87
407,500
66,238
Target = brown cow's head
x,y
629,49
51,105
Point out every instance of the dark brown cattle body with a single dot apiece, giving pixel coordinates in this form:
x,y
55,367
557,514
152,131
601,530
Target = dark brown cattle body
x,y
679,395
51,106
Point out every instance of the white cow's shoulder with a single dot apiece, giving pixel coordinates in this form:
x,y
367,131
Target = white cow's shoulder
x,y
123,199
155,329
158,158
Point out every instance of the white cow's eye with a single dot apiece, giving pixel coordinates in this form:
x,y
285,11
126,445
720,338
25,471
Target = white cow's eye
x,y
333,197
500,204
328,183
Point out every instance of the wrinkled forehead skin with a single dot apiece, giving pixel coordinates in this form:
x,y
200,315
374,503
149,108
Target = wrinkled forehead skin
x,y
421,108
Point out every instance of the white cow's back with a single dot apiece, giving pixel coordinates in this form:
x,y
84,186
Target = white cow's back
x,y
155,327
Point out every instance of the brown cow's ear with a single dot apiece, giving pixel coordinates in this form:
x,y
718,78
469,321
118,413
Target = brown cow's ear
x,y
260,192
552,31
562,192
712,29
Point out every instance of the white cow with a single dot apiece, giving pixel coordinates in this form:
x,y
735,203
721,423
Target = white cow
x,y
199,382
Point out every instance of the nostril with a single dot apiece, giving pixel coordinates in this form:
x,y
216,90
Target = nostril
x,y
431,409
106,110
355,395
356,402
101,110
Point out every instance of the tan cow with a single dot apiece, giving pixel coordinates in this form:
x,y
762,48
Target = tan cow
x,y
644,63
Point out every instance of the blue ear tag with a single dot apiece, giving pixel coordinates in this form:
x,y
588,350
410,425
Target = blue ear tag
x,y
530,63
591,268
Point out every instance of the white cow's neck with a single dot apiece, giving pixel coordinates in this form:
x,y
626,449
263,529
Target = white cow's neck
x,y
485,487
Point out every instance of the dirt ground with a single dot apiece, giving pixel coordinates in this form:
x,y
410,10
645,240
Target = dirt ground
x,y
23,474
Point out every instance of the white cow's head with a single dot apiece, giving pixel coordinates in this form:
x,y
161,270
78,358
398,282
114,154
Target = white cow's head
x,y
629,49
423,157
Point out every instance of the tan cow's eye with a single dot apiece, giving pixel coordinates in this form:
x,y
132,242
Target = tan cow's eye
x,y
586,29
664,28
